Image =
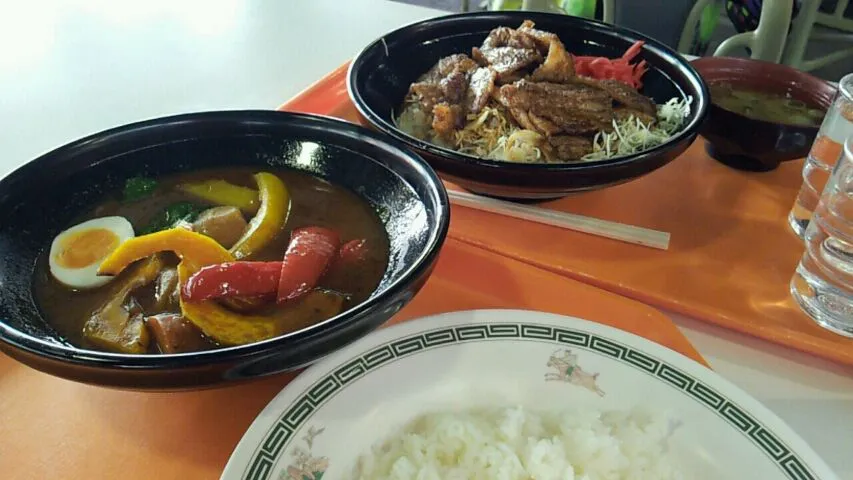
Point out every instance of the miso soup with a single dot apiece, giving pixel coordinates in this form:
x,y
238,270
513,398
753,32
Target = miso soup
x,y
769,107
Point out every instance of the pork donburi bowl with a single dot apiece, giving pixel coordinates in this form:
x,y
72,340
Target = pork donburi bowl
x,y
529,105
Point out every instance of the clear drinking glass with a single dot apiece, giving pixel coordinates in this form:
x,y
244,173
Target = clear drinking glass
x,y
823,282
836,127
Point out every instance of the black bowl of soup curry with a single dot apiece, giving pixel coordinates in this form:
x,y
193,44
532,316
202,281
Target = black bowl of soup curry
x,y
198,249
761,113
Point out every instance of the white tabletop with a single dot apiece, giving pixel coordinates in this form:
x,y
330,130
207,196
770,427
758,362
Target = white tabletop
x,y
70,70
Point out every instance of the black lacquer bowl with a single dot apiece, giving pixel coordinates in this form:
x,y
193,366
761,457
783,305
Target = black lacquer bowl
x,y
380,76
43,196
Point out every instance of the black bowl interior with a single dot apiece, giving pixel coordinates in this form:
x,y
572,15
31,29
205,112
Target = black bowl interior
x,y
41,198
380,76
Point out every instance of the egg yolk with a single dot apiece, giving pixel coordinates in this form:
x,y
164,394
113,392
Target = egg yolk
x,y
82,249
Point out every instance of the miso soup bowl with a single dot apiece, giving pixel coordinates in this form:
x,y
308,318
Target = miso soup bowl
x,y
750,144
40,198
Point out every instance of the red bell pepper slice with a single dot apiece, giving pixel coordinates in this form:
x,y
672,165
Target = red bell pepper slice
x,y
308,256
349,256
233,279
352,252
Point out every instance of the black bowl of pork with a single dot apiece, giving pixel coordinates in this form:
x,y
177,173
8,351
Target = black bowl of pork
x,y
380,75
39,199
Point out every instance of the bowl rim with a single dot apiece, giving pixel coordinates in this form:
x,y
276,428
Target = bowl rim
x,y
698,62
70,354
686,133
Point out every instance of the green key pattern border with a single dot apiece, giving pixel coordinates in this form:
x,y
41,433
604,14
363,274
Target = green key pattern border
x,y
281,433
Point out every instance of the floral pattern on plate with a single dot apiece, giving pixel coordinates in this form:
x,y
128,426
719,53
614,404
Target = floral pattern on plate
x,y
305,466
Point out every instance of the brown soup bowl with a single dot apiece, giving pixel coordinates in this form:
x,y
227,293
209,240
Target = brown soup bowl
x,y
749,144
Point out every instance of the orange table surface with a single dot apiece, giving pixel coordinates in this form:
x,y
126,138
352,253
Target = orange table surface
x,y
54,428
731,254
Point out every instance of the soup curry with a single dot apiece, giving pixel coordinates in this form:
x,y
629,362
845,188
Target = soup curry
x,y
216,258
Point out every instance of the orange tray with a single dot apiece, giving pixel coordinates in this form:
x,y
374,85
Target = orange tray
x,y
730,257
54,428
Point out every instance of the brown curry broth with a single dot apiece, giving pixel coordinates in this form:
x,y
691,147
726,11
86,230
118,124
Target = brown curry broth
x,y
314,202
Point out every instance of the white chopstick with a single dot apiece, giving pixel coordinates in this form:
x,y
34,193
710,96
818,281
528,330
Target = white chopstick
x,y
570,221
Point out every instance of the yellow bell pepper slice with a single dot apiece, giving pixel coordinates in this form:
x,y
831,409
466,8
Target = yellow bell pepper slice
x,y
271,217
221,192
194,249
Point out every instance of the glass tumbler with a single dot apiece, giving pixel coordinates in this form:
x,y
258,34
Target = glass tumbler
x,y
823,282
836,127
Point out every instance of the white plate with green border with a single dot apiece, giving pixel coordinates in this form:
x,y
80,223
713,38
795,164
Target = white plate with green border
x,y
322,422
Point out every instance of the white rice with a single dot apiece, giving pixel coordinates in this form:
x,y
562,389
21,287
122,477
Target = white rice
x,y
514,443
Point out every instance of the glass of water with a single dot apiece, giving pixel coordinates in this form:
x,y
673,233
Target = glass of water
x,y
836,127
823,282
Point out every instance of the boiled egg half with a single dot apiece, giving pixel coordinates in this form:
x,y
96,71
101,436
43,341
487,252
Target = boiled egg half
x,y
76,253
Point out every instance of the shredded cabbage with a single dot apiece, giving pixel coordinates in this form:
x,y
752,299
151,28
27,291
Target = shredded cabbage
x,y
630,135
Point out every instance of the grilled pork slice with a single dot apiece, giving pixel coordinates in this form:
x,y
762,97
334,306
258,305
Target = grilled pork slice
x,y
509,52
558,66
574,108
446,66
542,40
621,113
543,125
622,94
446,81
447,118
568,148
454,87
509,37
507,61
480,88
